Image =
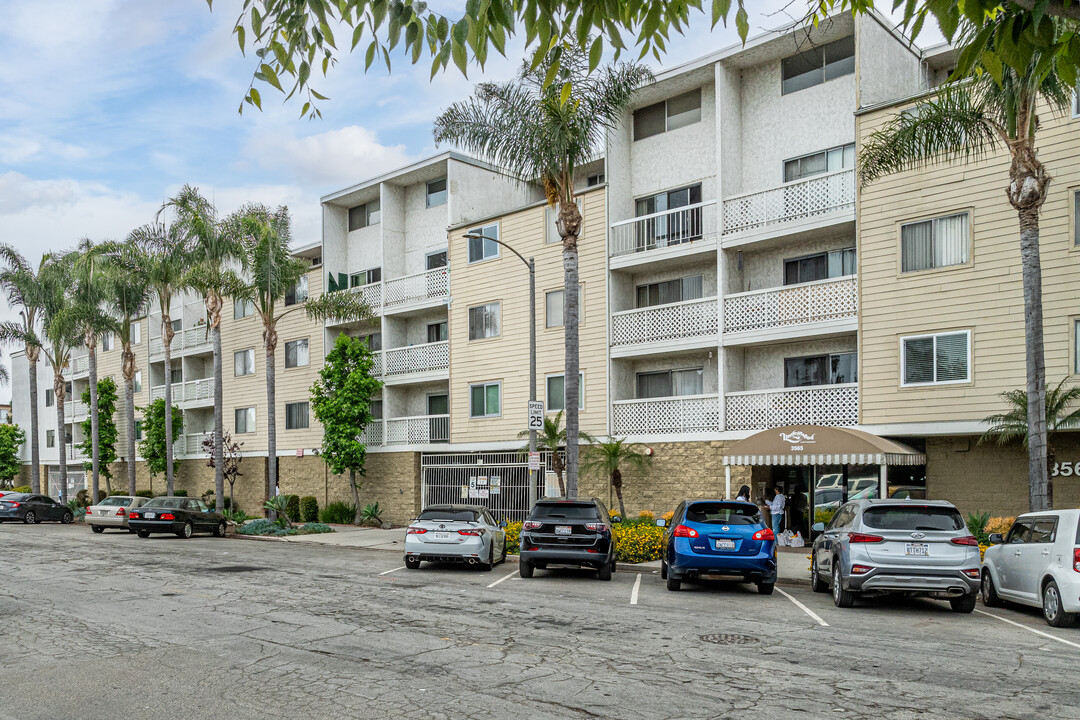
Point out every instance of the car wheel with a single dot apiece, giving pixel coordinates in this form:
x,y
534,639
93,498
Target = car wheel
x,y
412,563
143,533
673,583
1052,609
97,528
219,531
67,518
185,532
841,598
816,583
30,517
989,592
525,569
663,570
490,564
964,604
604,572
765,588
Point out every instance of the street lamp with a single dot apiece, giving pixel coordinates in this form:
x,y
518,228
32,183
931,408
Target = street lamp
x,y
531,264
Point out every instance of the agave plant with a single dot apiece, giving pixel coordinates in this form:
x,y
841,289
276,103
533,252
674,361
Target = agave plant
x,y
279,505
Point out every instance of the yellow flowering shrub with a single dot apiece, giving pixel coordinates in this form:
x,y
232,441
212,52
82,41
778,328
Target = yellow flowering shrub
x,y
647,515
999,524
513,538
982,551
668,515
637,542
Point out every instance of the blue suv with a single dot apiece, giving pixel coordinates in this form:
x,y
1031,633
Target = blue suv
x,y
718,537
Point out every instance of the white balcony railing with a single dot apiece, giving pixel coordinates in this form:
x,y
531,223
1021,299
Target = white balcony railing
x,y
371,294
428,285
195,338
193,442
373,434
664,229
791,305
74,453
416,358
797,200
815,405
78,364
419,430
377,363
75,409
190,391
658,416
686,319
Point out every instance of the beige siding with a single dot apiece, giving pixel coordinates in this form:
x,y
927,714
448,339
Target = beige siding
x,y
985,296
505,359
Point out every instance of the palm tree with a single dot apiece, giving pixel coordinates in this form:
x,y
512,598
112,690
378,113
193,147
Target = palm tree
x,y
165,251
62,332
551,438
214,253
1012,425
271,272
995,108
22,284
543,128
608,458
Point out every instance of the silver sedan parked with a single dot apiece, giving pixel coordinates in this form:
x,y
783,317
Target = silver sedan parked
x,y
457,534
910,547
112,512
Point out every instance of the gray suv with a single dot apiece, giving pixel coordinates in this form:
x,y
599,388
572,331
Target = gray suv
x,y
912,547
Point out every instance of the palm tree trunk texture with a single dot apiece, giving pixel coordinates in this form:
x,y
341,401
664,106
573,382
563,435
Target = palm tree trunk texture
x,y
616,482
1040,493
166,338
270,335
128,372
61,431
95,453
570,220
219,421
35,446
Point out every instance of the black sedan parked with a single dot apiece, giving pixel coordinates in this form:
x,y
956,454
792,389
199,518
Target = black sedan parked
x,y
33,509
178,515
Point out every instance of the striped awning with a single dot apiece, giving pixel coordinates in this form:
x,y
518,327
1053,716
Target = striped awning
x,y
816,445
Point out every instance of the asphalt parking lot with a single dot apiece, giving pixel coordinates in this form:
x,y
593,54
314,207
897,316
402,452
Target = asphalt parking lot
x,y
106,626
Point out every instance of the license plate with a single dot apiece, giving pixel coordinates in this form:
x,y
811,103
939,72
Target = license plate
x,y
442,536
725,544
150,516
917,549
563,529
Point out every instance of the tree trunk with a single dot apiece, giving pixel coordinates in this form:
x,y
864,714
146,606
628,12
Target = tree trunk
x,y
35,447
95,450
270,338
616,482
557,466
166,338
569,227
61,430
219,424
355,496
128,372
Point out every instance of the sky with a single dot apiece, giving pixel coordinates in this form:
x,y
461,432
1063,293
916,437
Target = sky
x,y
108,107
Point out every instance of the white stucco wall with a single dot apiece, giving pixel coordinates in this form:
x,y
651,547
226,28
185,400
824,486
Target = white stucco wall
x,y
365,250
765,268
401,331
623,294
411,400
425,228
624,372
476,193
335,246
885,67
729,146
763,366
393,230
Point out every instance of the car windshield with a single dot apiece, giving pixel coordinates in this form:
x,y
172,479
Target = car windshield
x,y
568,511
722,513
115,501
904,517
169,502
450,515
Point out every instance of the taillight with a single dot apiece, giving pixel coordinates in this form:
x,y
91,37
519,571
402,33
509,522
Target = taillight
x,y
686,532
121,512
532,525
166,516
860,569
134,515
863,538
966,540
972,573
765,534
416,531
595,526
1076,559
473,533
13,504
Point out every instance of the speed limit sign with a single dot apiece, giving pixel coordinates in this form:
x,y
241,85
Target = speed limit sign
x,y
536,415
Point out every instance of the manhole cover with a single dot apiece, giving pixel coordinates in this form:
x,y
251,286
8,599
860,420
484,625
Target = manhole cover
x,y
730,639
235,568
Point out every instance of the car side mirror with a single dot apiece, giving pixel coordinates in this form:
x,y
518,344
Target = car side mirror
x,y
996,538
661,522
502,523
818,527
616,518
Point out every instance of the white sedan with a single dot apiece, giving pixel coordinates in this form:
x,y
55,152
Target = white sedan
x,y
112,512
456,534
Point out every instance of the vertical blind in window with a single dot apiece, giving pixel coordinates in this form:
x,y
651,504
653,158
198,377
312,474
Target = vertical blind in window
x,y
670,291
553,308
484,321
936,359
296,415
1076,217
482,246
668,383
296,353
934,243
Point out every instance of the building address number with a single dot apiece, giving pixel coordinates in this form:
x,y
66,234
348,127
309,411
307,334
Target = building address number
x,y
1065,469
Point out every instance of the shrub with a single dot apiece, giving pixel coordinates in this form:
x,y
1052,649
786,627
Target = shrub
x,y
370,513
637,542
824,515
264,527
668,515
647,515
101,495
309,509
179,493
976,525
314,528
22,489
144,493
77,509
292,507
237,517
999,524
338,513
82,498
513,538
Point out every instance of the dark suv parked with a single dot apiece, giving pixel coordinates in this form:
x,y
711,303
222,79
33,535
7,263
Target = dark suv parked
x,y
568,532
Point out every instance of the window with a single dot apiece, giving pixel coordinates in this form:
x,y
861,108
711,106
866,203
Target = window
x,y
1076,346
298,293
436,193
669,291
670,383
50,397
135,333
138,381
484,321
818,65
373,340
671,114
1076,217
436,260
106,341
244,362
50,438
177,375
822,266
483,248
376,409
296,354
177,325
296,415
553,308
936,359
668,227
138,430
242,308
484,400
365,277
594,180
935,243
826,161
556,392
1076,103
245,420
551,229
364,215
436,332
1044,530
834,369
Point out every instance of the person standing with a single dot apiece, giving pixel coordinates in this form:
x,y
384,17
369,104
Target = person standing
x,y
744,494
776,508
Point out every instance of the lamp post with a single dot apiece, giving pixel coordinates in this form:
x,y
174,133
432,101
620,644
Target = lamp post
x,y
531,264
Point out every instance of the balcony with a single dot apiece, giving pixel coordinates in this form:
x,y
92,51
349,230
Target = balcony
x,y
190,340
192,443
74,454
75,410
822,306
833,405
669,233
811,200
666,416
419,430
373,434
416,359
689,324
193,391
371,294
78,365
424,288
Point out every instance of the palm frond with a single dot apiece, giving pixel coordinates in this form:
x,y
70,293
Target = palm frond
x,y
1011,425
339,306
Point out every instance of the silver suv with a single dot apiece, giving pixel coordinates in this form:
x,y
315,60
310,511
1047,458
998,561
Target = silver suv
x,y
914,547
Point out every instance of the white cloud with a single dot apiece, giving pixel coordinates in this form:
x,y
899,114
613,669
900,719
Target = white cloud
x,y
335,157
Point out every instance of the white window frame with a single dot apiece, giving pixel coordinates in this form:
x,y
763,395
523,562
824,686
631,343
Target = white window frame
x,y
667,114
547,392
307,349
307,424
244,352
242,308
581,307
50,394
298,292
932,383
445,192
249,413
1076,345
498,308
968,249
551,230
483,230
137,381
50,439
485,385
1076,103
1074,218
136,333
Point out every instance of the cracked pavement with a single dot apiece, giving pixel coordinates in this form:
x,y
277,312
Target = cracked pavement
x,y
105,626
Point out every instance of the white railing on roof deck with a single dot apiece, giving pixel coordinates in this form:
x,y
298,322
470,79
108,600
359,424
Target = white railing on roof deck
x,y
417,358
373,434
686,319
419,430
796,200
816,301
832,405
664,229
431,284
658,416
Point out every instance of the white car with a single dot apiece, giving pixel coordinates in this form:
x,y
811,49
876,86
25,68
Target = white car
x,y
112,512
455,534
1037,563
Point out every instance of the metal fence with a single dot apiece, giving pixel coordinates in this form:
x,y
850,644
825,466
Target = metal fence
x,y
497,481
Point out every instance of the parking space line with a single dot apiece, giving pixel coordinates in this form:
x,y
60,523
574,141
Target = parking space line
x,y
634,592
805,609
394,570
1029,629
507,577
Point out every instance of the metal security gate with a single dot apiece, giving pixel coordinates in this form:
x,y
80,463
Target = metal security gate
x,y
76,481
498,481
